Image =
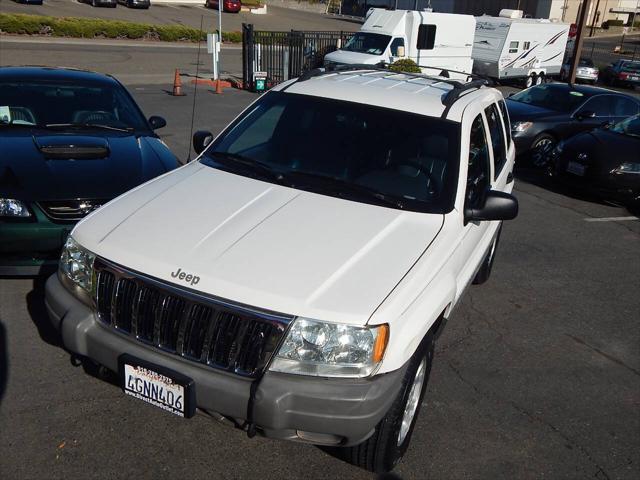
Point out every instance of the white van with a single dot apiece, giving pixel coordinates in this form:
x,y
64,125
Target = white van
x,y
510,47
436,40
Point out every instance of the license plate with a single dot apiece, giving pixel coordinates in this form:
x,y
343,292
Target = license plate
x,y
158,386
635,79
576,168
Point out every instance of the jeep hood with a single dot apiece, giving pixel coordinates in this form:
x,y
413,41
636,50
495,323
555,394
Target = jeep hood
x,y
261,244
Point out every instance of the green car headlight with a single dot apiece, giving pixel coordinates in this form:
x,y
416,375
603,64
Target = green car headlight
x,y
327,349
10,207
76,264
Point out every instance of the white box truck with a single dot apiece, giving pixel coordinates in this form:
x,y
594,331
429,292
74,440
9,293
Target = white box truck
x,y
510,47
432,40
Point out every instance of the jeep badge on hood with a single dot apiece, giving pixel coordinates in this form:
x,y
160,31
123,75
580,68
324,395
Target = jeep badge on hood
x,y
187,277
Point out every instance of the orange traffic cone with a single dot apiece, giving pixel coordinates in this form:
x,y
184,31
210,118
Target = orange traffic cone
x,y
177,85
218,86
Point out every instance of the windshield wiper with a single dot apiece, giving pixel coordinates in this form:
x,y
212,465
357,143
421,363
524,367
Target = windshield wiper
x,y
255,166
88,126
19,125
337,185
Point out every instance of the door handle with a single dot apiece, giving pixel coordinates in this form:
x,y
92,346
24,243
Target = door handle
x,y
510,177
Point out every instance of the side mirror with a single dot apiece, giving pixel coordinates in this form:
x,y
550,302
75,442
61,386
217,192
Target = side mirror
x,y
497,206
585,114
201,139
157,122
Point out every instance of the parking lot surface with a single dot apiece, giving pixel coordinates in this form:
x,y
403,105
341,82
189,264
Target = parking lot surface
x,y
537,374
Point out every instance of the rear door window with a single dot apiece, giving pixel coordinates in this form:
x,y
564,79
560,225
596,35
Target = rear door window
x,y
505,118
478,169
498,141
624,107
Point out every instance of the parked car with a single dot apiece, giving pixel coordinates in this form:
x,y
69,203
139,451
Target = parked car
x,y
324,238
623,72
543,115
71,141
144,4
586,72
102,3
231,6
586,160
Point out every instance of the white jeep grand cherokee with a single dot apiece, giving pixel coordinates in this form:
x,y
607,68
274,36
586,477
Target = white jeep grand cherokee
x,y
293,278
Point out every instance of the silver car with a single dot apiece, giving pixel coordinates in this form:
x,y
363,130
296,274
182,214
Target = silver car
x,y
586,72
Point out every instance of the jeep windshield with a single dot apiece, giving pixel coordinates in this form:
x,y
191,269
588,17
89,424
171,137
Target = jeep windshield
x,y
370,43
343,149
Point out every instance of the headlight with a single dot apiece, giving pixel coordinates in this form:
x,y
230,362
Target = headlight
x,y
330,349
76,263
10,207
519,127
628,167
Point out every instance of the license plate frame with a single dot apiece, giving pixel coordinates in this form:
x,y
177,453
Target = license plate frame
x,y
138,377
576,168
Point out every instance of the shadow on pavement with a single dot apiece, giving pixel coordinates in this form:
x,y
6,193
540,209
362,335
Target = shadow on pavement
x,y
40,318
38,313
4,361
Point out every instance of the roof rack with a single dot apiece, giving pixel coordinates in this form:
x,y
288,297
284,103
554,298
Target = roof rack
x,y
459,87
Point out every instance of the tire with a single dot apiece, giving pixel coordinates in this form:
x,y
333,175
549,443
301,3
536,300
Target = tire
x,y
93,3
541,145
487,264
540,79
530,80
381,452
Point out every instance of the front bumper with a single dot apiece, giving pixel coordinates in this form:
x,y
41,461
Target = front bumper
x,y
31,247
344,410
522,142
604,184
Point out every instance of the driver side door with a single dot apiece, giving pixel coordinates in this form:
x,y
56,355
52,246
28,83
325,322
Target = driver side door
x,y
477,236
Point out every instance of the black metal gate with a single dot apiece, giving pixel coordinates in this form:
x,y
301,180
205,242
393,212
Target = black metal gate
x,y
284,55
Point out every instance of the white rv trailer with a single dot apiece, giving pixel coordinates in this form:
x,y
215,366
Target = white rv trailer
x,y
509,47
435,40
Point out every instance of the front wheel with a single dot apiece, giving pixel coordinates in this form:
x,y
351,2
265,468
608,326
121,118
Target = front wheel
x,y
541,148
540,79
383,450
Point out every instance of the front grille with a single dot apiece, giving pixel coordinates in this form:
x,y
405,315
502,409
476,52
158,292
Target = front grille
x,y
69,210
198,328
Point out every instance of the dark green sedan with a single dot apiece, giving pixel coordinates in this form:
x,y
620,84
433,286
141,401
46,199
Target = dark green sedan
x,y
70,141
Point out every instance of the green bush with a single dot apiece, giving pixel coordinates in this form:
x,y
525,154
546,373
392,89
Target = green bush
x,y
92,28
405,65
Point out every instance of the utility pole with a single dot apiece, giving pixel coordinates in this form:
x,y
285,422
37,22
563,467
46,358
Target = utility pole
x,y
595,18
577,50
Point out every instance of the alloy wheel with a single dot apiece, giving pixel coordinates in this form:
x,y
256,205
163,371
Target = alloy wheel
x,y
413,399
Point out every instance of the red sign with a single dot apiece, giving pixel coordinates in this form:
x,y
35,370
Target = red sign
x,y
573,30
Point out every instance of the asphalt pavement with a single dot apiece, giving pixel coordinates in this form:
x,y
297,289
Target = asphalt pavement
x,y
537,374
